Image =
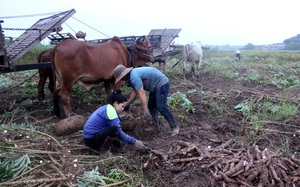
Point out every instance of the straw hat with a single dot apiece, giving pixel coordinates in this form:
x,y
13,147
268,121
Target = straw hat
x,y
120,71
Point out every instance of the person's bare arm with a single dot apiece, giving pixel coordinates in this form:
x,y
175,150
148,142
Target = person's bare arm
x,y
142,96
132,97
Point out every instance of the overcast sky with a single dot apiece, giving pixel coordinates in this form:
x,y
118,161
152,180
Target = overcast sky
x,y
213,22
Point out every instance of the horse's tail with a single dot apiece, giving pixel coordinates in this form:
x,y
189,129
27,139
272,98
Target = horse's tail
x,y
56,109
52,54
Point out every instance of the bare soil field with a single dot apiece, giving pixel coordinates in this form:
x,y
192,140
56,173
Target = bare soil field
x,y
216,145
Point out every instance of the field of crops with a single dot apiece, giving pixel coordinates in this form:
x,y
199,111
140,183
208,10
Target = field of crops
x,y
239,126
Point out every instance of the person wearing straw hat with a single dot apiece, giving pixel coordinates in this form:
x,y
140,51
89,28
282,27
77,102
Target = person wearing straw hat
x,y
157,84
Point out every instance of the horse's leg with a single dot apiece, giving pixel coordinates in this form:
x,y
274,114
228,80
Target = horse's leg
x,y
56,100
193,69
165,60
41,84
51,80
64,95
198,68
184,67
109,87
185,59
160,66
164,66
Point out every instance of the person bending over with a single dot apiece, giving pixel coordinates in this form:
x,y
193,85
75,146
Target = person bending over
x,y
157,84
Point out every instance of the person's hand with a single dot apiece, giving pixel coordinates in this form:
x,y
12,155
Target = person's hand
x,y
147,116
126,108
139,145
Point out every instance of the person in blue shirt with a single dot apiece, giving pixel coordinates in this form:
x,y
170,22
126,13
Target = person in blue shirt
x,y
103,126
157,84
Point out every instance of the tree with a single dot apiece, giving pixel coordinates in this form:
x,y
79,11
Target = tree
x,y
293,46
249,46
292,43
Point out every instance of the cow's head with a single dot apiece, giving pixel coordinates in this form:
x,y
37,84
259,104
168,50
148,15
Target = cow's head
x,y
141,51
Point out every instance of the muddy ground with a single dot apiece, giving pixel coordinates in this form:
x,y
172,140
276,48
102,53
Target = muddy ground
x,y
208,142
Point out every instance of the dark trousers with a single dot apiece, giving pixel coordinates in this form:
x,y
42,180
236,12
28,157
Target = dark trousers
x,y
158,103
97,141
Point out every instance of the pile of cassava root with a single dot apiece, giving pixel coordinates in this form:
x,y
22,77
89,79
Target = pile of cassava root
x,y
231,167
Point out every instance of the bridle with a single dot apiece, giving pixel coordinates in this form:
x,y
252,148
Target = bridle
x,y
145,54
130,57
136,50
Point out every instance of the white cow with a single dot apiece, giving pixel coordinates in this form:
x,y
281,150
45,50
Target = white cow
x,y
192,53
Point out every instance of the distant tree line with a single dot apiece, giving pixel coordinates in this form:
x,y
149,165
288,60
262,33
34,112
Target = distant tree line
x,y
292,43
249,46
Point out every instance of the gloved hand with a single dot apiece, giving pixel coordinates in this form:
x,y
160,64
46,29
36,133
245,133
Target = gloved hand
x,y
147,116
139,145
126,108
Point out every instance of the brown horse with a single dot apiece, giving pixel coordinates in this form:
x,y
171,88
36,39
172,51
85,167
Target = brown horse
x,y
44,73
88,64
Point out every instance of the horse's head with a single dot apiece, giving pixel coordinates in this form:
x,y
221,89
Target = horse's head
x,y
141,51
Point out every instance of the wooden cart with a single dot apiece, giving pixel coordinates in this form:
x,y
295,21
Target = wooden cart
x,y
50,27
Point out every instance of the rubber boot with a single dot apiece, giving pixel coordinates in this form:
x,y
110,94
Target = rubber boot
x,y
104,150
155,124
